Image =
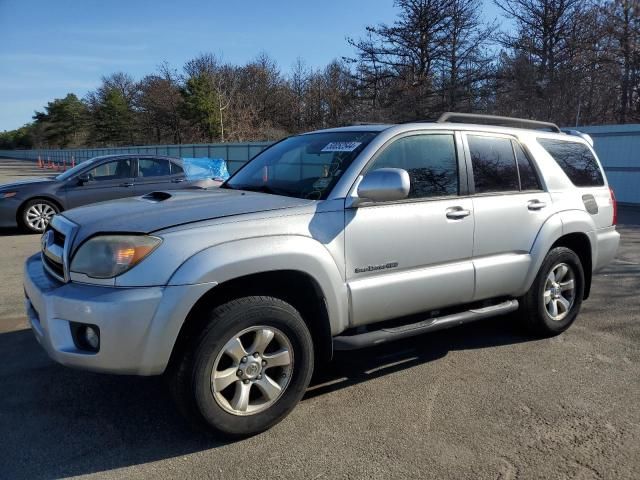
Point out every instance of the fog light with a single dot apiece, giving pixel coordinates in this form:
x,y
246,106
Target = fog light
x,y
85,337
92,338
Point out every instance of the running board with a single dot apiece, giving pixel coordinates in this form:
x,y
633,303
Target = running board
x,y
376,337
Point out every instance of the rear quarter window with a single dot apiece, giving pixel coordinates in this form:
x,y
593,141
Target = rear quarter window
x,y
576,161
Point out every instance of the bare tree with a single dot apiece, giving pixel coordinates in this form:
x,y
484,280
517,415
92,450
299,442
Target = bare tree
x,y
160,104
624,27
542,71
466,62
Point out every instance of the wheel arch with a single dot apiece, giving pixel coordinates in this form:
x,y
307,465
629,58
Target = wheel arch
x,y
573,230
580,244
21,207
295,287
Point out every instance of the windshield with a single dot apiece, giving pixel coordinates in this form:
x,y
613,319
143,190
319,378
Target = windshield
x,y
305,166
71,172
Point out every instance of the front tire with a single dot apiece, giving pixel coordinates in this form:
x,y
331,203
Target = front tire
x,y
36,215
554,300
247,369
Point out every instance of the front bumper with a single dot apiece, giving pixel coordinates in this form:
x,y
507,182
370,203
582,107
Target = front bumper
x,y
8,212
138,326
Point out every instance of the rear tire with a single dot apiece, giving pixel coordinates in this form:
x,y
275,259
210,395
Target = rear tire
x,y
554,300
36,215
247,369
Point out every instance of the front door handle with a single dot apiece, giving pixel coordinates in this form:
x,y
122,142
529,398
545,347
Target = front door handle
x,y
126,184
536,205
177,180
457,213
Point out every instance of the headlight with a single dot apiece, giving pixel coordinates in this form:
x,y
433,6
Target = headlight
x,y
8,194
108,256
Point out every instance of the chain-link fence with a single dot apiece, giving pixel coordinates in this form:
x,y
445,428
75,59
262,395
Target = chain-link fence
x,y
236,154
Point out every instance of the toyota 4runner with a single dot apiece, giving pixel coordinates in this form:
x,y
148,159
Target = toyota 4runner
x,y
333,240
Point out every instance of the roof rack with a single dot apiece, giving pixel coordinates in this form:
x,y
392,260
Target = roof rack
x,y
452,117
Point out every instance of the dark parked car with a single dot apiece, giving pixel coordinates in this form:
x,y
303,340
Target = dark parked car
x,y
30,204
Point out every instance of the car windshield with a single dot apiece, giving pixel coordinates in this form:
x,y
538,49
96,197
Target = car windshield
x,y
72,171
305,166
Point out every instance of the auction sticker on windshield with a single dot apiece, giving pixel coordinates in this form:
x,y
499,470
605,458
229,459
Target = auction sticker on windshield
x,y
341,146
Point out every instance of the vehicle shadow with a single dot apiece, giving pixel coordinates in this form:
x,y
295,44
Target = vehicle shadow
x,y
11,232
57,422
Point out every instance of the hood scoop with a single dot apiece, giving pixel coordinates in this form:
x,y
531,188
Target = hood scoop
x,y
157,196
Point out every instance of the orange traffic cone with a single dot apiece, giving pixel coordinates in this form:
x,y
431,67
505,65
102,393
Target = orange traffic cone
x,y
39,162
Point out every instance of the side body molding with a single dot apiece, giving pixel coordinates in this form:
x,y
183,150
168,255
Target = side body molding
x,y
556,226
236,259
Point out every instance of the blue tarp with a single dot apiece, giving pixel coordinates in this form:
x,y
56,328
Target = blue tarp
x,y
205,168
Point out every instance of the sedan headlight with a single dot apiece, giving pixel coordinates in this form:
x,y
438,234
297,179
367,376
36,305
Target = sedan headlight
x,y
108,256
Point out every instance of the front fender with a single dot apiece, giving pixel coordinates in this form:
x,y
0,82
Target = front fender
x,y
240,258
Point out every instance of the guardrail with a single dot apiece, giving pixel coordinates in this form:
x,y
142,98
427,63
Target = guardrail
x,y
236,154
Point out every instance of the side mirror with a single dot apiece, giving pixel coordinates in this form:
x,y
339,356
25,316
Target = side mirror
x,y
383,185
83,178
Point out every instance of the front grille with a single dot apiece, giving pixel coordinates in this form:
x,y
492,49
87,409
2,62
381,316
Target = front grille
x,y
57,268
56,241
58,237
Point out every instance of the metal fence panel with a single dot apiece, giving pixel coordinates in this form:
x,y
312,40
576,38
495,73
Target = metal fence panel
x,y
618,147
236,154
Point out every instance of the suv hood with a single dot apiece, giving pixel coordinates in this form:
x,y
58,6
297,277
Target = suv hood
x,y
162,210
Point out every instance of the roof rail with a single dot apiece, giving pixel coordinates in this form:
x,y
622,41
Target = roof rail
x,y
452,117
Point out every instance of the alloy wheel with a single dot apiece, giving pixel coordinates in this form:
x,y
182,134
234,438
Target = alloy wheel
x,y
39,215
252,371
559,291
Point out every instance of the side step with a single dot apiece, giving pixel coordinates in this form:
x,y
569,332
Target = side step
x,y
376,337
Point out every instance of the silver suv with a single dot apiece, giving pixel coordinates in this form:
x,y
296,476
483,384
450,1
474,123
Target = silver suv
x,y
332,240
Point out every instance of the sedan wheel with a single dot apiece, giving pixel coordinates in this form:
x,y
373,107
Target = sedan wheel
x,y
37,214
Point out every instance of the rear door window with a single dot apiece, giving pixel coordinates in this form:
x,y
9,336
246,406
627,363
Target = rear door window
x,y
176,169
153,167
576,161
528,176
494,164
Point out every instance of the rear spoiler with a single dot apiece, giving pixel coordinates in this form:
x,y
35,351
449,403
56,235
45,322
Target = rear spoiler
x,y
586,137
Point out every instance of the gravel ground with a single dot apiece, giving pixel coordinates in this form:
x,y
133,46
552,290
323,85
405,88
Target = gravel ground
x,y
480,401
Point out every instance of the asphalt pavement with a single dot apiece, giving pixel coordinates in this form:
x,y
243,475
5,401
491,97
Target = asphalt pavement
x,y
481,401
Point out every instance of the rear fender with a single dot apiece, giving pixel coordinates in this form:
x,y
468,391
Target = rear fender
x,y
557,226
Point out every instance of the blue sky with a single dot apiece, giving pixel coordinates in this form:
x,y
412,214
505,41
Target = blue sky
x,y
49,48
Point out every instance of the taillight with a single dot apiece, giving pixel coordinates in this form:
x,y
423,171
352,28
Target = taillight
x,y
614,203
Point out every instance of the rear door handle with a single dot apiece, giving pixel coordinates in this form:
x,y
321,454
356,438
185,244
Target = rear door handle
x,y
126,184
536,205
457,213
